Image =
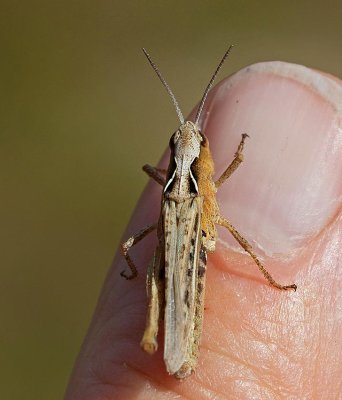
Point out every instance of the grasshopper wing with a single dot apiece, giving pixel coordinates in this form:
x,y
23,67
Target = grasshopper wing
x,y
182,233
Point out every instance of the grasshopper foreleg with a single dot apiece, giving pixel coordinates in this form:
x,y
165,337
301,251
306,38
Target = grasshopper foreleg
x,y
238,158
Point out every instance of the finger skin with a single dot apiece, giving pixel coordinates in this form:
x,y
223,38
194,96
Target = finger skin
x,y
258,342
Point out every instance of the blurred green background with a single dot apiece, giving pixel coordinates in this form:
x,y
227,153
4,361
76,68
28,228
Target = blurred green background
x,y
81,111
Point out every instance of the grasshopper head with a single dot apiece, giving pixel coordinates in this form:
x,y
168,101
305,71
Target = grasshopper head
x,y
186,144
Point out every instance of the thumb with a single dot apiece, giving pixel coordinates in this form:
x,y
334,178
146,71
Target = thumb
x,y
258,342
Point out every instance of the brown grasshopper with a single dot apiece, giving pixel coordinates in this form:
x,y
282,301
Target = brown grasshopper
x,y
186,232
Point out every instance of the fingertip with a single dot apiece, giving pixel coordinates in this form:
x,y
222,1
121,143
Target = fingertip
x,y
288,187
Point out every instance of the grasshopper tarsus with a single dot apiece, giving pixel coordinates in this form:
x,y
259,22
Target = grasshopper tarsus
x,y
288,287
128,277
273,283
239,151
284,287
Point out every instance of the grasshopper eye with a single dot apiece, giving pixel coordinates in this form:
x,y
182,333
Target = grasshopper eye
x,y
199,136
175,136
195,131
203,140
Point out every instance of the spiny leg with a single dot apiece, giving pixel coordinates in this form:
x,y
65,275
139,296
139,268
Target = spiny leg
x,y
154,173
155,294
238,158
131,242
248,248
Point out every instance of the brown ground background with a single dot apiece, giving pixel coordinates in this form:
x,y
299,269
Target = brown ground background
x,y
81,112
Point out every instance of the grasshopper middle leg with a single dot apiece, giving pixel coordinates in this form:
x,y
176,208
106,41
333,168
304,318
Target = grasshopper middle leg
x,y
131,242
154,173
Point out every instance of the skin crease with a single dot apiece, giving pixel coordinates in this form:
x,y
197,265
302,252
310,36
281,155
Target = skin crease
x,y
258,342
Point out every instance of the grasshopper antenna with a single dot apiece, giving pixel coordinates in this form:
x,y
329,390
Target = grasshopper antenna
x,y
167,87
210,84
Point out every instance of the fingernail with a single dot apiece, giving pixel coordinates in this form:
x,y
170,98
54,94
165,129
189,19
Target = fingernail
x,y
289,186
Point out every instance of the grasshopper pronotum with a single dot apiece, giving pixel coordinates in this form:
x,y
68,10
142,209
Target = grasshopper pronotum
x,y
186,232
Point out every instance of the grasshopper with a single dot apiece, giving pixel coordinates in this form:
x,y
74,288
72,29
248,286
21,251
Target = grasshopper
x,y
186,233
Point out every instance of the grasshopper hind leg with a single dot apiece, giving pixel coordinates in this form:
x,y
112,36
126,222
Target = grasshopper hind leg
x,y
248,248
155,294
